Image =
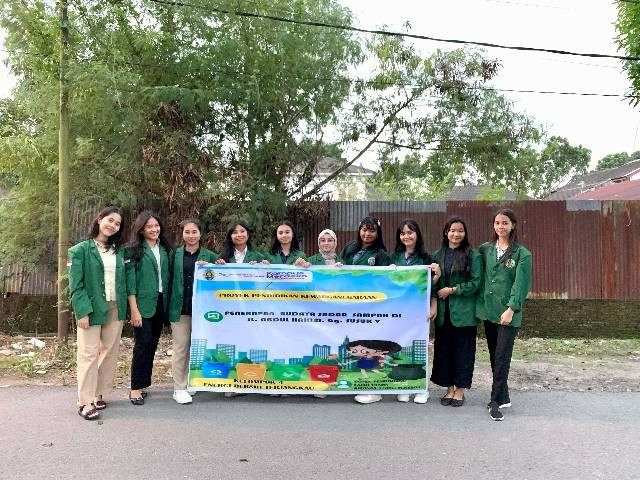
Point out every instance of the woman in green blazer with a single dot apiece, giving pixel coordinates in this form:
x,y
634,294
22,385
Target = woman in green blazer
x,y
327,245
410,251
285,247
184,265
368,247
507,279
237,246
98,294
456,325
148,262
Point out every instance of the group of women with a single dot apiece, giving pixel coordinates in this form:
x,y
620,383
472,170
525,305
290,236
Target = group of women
x,y
153,284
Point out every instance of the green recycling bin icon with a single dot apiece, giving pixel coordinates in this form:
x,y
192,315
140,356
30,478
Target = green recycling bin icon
x,y
213,316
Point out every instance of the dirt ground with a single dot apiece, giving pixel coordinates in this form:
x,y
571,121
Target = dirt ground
x,y
538,364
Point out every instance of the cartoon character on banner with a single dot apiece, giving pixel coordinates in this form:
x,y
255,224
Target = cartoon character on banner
x,y
371,354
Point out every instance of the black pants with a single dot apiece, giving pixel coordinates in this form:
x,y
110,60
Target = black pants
x,y
454,354
500,340
144,349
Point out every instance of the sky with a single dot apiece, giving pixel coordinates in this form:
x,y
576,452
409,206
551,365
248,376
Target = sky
x,y
602,124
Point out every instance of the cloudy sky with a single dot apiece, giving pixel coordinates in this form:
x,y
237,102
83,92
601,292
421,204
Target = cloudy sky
x,y
605,125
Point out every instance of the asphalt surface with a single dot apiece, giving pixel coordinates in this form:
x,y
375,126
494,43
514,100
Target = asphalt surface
x,y
545,435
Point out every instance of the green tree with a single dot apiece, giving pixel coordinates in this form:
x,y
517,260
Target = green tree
x,y
613,160
628,27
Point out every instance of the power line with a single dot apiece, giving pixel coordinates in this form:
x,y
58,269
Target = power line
x,y
313,23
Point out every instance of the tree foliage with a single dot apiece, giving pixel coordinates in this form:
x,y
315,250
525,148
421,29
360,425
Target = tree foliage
x,y
628,26
220,115
613,160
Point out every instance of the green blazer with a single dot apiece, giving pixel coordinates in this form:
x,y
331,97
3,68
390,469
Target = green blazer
x,y
251,256
177,279
318,259
398,258
86,283
349,251
293,256
462,304
506,283
142,279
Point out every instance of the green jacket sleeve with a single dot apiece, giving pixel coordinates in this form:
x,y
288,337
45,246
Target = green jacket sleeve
x,y
522,282
130,273
472,285
79,297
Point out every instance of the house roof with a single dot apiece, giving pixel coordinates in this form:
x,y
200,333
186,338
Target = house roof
x,y
613,191
327,165
472,192
595,179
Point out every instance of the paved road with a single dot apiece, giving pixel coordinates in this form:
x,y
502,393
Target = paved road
x,y
545,435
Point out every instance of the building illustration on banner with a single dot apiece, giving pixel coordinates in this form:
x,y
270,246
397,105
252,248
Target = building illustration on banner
x,y
416,353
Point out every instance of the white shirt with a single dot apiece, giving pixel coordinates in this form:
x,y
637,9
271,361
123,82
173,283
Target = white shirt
x,y
239,255
156,253
109,266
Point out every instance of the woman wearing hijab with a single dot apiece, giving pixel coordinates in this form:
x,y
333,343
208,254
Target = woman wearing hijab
x,y
327,245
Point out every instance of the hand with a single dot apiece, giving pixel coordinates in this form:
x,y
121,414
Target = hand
x,y
433,309
252,262
202,262
507,316
136,318
437,273
338,264
445,292
393,265
300,262
265,262
83,322
220,261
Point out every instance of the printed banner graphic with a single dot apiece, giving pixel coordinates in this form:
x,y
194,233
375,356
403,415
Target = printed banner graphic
x,y
329,330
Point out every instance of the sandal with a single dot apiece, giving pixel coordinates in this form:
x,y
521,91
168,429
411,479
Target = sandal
x,y
144,393
136,400
100,405
92,414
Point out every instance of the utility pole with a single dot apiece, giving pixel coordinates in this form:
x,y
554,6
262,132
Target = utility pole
x,y
63,174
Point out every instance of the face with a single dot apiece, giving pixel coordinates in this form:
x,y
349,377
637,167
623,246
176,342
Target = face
x,y
327,244
191,234
109,225
408,237
368,235
456,234
284,234
502,226
360,351
239,236
151,230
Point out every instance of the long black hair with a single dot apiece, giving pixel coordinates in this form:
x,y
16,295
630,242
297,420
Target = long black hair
x,y
462,253
136,240
513,234
371,223
227,246
382,345
413,226
186,222
116,240
275,243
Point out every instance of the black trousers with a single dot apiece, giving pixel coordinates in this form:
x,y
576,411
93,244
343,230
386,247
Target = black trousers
x,y
500,339
144,349
454,354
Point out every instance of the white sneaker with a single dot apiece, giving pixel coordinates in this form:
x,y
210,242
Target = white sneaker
x,y
403,398
182,397
231,394
320,395
367,398
191,391
421,398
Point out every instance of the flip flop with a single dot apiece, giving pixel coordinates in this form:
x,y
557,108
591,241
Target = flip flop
x,y
100,405
92,414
